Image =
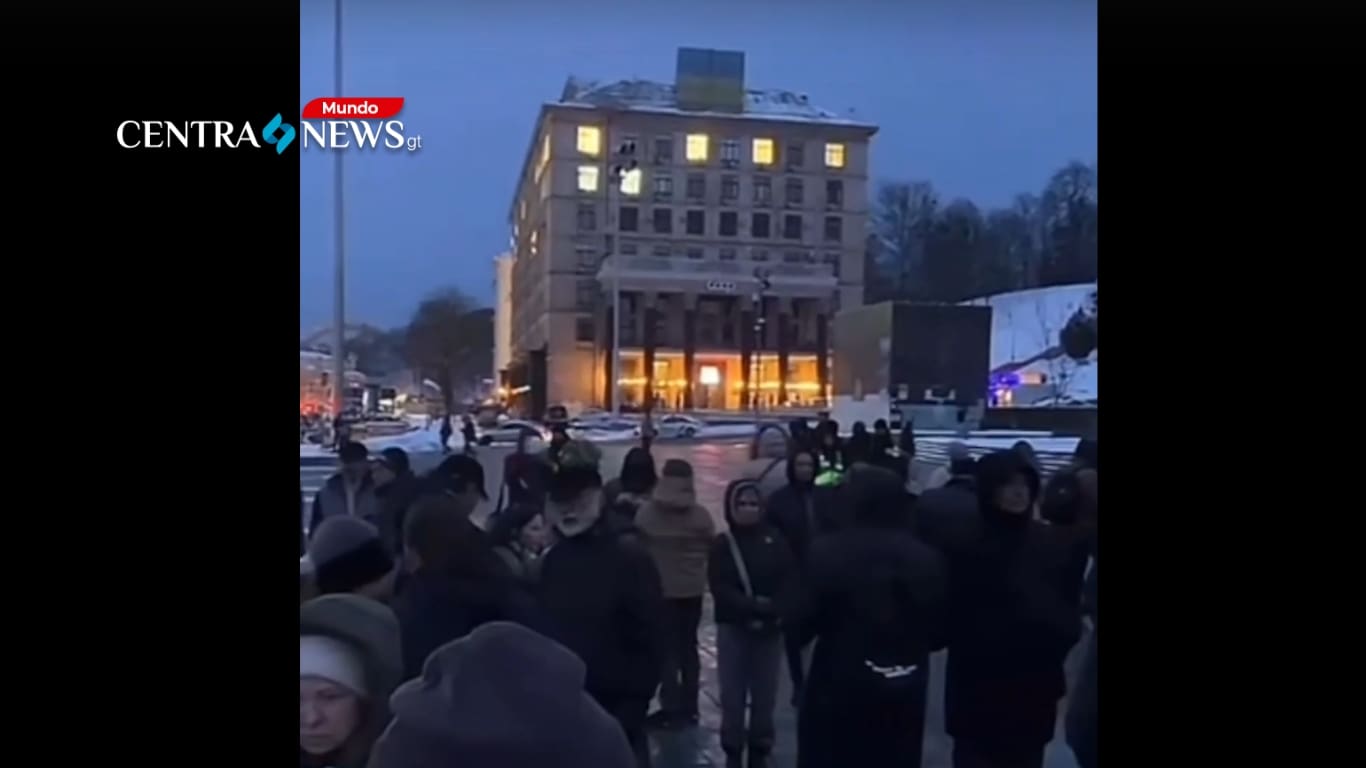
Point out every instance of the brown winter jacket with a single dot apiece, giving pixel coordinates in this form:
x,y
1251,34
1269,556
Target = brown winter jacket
x,y
678,534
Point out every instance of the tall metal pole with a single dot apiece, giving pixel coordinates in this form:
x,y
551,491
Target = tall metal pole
x,y
339,212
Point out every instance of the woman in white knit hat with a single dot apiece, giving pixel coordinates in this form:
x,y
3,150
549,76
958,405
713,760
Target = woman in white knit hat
x,y
350,660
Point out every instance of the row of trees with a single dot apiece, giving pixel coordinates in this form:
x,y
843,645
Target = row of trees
x,y
926,250
448,340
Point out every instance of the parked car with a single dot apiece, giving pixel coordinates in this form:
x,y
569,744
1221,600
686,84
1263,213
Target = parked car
x,y
510,430
675,426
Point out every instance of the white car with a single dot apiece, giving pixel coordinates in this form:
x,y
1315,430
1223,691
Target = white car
x,y
675,426
510,430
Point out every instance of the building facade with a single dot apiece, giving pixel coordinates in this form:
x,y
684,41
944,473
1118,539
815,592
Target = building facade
x,y
730,230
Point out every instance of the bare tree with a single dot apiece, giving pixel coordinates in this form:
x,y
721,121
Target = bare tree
x,y
449,341
902,221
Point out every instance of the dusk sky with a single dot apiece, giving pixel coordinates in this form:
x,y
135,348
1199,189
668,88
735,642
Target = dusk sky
x,y
983,98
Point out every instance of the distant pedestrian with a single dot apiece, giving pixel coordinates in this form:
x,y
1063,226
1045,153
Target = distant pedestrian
x,y
501,696
678,534
751,572
447,431
468,433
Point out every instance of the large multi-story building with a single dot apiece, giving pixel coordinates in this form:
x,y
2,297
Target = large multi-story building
x,y
502,319
704,206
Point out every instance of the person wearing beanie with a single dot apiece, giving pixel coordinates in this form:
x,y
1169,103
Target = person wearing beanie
x,y
501,697
601,595
348,665
678,533
347,556
456,582
350,492
1013,620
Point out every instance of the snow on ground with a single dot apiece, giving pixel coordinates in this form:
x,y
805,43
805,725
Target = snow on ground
x,y
1025,323
990,441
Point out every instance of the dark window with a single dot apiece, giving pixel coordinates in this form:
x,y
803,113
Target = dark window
x,y
727,254
730,223
730,189
664,187
834,192
794,257
588,218
792,227
630,218
587,258
793,190
697,186
833,259
660,251
730,150
758,225
834,229
758,254
587,294
763,189
695,253
794,154
583,329
664,149
664,220
697,222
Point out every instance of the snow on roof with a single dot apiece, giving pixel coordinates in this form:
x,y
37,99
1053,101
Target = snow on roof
x,y
1026,323
650,96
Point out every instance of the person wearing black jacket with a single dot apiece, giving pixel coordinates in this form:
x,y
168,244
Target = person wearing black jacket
x,y
873,600
751,572
801,512
1012,624
455,583
602,596
397,488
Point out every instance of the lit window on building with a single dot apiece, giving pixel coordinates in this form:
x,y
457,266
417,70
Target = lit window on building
x,y
631,182
763,151
588,178
589,140
834,155
696,148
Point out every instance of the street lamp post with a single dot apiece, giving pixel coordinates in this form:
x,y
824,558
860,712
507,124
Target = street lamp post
x,y
624,165
339,279
761,277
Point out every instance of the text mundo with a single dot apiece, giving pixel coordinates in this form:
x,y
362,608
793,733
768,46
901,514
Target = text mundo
x,y
225,134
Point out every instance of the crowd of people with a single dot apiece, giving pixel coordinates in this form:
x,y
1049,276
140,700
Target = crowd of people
x,y
542,637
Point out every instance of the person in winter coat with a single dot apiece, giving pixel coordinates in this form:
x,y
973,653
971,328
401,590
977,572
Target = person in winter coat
x,y
1012,624
859,448
946,515
1083,706
455,581
768,455
397,488
349,663
468,434
751,572
628,492
678,534
873,601
1064,509
801,512
523,477
830,454
350,491
347,556
601,595
501,696
519,535
303,534
1026,451
447,431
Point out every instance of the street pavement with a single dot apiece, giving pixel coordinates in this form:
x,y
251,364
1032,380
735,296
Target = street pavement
x,y
715,464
